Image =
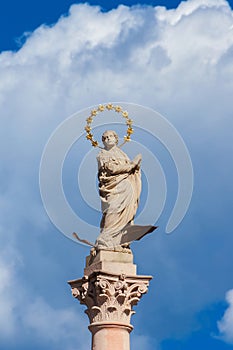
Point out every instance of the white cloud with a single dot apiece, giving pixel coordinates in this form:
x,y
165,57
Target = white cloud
x,y
176,61
60,326
186,8
22,313
225,325
85,53
7,303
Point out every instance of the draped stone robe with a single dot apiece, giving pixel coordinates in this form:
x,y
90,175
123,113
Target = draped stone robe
x,y
119,189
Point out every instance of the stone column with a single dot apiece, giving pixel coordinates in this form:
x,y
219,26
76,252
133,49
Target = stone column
x,y
110,296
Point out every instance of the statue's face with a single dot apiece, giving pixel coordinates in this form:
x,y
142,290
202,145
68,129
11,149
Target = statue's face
x,y
109,139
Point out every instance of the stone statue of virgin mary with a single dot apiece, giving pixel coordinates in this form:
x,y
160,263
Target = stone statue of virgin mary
x,y
119,190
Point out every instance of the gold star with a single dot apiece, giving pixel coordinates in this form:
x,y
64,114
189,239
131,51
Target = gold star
x,y
101,108
87,128
89,120
94,143
93,112
127,138
109,106
129,131
89,136
118,109
125,114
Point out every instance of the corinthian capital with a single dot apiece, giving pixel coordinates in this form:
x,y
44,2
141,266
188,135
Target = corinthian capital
x,y
109,297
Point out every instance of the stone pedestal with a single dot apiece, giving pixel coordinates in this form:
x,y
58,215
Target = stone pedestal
x,y
110,288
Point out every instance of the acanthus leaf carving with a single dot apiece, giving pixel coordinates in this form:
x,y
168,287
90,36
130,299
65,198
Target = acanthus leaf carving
x,y
109,297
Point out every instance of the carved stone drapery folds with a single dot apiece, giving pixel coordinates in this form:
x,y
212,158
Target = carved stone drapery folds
x,y
109,297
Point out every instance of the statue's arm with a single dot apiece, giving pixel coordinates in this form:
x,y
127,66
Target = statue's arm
x,y
115,167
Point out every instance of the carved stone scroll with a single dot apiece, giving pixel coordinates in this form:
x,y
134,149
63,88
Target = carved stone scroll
x,y
109,297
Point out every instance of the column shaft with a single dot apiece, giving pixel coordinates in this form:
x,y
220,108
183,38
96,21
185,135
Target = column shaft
x,y
110,336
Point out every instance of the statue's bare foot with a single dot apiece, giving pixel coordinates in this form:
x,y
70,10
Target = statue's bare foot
x,y
118,248
124,248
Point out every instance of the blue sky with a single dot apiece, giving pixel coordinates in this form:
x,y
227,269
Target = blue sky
x,y
177,60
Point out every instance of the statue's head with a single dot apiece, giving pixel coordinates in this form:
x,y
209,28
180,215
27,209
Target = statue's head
x,y
110,139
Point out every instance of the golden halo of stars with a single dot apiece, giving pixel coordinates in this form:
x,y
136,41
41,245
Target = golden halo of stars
x,y
109,107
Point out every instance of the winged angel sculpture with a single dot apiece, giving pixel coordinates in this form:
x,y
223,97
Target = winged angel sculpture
x,y
119,188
